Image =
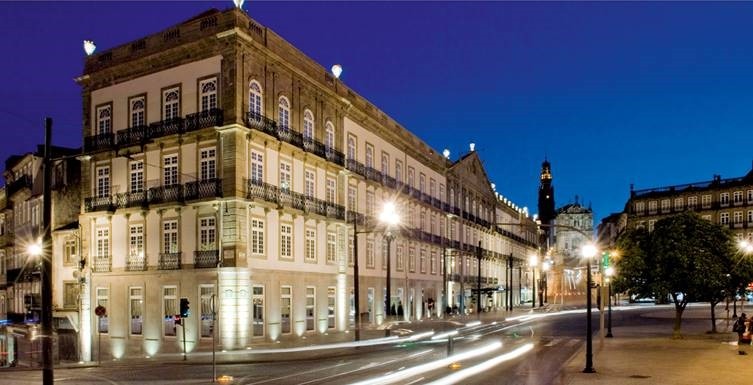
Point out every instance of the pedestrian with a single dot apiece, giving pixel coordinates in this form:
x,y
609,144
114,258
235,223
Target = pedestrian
x,y
742,328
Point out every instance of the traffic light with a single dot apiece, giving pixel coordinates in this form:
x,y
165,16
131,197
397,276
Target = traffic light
x,y
605,260
184,307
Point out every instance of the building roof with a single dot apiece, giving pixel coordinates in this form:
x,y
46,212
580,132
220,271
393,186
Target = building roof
x,y
574,208
716,183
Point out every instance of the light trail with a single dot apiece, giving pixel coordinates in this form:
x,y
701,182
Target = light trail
x,y
482,367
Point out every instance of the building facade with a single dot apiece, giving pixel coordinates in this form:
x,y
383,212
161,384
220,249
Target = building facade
x,y
227,168
728,202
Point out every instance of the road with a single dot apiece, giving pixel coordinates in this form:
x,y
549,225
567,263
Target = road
x,y
524,350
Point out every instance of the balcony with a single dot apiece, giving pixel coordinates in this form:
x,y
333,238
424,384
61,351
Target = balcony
x,y
102,264
203,189
23,182
356,167
140,135
284,197
136,263
206,258
132,199
170,261
262,123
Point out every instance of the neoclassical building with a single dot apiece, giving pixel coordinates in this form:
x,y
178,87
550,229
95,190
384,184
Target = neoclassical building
x,y
224,166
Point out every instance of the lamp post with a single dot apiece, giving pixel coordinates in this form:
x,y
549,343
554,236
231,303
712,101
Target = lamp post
x,y
533,260
356,309
389,218
588,252
545,267
610,273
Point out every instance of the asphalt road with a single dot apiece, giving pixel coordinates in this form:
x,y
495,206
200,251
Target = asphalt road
x,y
520,351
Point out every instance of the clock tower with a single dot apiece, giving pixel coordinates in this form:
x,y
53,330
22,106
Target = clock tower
x,y
546,203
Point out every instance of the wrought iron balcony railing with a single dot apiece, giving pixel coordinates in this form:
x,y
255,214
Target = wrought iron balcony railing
x,y
22,182
170,261
136,263
102,264
203,189
206,258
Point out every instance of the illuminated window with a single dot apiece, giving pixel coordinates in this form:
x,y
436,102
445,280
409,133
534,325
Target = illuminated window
x,y
136,309
310,308
329,137
258,310
308,125
170,170
399,171
171,104
309,186
208,94
137,176
331,190
399,258
255,99
285,176
205,306
104,120
170,236
103,181
286,241
385,164
678,204
257,167
103,299
370,254
207,233
705,201
692,202
369,156
283,112
310,245
257,236
286,308
331,306
138,110
331,247
208,163
169,309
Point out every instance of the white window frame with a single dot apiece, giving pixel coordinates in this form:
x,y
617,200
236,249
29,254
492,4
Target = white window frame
x,y
309,187
103,299
286,176
207,233
255,98
208,94
310,308
208,163
170,241
257,166
283,112
170,170
331,247
286,292
257,236
136,240
331,190
137,111
135,293
308,125
136,176
369,160
104,119
171,103
258,295
103,181
286,241
310,244
169,293
329,138
352,147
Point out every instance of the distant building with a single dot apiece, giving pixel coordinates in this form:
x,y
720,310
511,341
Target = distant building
x,y
546,205
610,229
728,202
575,225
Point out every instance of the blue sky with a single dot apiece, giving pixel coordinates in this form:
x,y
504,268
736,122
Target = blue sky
x,y
612,93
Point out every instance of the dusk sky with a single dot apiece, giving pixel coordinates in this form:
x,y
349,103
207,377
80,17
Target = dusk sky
x,y
612,93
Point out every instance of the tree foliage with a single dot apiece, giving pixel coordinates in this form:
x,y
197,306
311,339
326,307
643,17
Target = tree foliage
x,y
685,258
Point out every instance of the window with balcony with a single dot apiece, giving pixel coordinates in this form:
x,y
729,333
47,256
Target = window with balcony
x,y
352,197
136,176
102,262
286,178
423,261
257,166
352,149
331,190
310,245
104,120
255,98
208,163
208,94
422,182
137,111
207,234
433,262
309,183
411,179
170,236
432,188
369,155
385,164
308,125
370,203
257,236
170,170
286,240
329,136
412,259
399,171
171,103
136,245
103,181
283,112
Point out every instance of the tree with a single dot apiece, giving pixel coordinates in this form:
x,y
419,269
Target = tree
x,y
685,257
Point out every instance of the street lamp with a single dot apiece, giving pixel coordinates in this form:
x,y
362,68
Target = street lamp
x,y
610,273
389,217
588,251
545,267
533,260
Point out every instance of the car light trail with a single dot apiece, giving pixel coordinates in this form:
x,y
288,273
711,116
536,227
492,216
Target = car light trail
x,y
484,366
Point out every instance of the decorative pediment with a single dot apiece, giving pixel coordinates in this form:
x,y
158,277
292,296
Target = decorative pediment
x,y
471,172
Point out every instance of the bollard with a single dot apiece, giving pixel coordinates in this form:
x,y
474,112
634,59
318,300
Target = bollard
x,y
450,345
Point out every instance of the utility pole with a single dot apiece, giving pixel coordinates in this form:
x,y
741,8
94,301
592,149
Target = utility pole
x,y
478,281
47,366
355,278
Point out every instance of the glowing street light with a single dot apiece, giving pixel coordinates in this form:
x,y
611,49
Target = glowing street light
x,y
337,70
588,251
35,249
89,47
239,3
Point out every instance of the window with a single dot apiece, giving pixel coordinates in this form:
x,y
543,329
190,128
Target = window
x,y
170,310
692,202
310,308
411,259
423,261
103,300
441,193
309,183
665,205
104,120
208,163
422,221
136,242
329,137
136,308
652,206
170,236
737,197
724,198
257,167
706,217
286,307
399,257
432,188
310,245
737,217
283,113
103,245
258,310
331,247
171,103
370,203
308,126
170,170
285,177
385,164
369,156
352,150
208,96
399,171
411,180
103,181
255,99
286,241
70,295
207,233
706,201
678,203
422,183
137,176
350,250
205,304
385,252
331,188
71,255
138,109
331,306
750,216
724,218
370,254
352,195
257,236
750,196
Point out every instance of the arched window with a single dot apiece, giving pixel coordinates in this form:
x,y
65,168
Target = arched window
x,y
283,112
171,103
255,98
329,138
308,125
351,147
208,96
104,120
137,112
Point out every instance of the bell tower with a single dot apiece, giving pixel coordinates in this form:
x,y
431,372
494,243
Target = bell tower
x,y
546,203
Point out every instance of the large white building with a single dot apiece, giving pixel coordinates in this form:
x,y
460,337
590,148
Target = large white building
x,y
225,167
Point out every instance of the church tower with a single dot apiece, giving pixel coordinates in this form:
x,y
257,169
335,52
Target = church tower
x,y
546,203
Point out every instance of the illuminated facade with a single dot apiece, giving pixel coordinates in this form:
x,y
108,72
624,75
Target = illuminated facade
x,y
226,167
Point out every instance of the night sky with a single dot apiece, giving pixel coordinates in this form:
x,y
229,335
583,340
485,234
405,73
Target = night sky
x,y
612,93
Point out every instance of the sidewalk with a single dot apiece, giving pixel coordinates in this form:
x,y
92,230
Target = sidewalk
x,y
648,355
